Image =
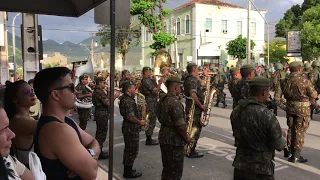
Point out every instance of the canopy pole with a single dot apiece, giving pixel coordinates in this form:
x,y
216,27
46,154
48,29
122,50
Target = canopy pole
x,y
112,70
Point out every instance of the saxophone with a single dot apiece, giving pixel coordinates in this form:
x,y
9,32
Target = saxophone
x,y
142,108
208,100
191,130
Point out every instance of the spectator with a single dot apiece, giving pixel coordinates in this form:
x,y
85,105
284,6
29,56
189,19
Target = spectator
x,y
65,150
35,110
19,97
10,167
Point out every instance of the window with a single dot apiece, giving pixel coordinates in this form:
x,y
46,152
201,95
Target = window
x,y
178,26
208,25
165,27
253,28
224,26
239,27
187,25
147,36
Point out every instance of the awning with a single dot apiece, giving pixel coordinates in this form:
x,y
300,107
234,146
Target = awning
x,y
70,8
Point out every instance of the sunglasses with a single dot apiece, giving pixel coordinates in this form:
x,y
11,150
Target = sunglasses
x,y
71,87
28,92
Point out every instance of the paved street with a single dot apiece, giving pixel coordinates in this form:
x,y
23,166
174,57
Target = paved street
x,y
217,144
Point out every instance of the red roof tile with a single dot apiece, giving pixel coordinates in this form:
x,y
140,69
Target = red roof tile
x,y
210,2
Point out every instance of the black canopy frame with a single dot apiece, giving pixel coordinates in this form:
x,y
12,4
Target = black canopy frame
x,y
74,8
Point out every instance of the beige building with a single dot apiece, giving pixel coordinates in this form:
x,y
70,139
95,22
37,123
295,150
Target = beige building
x,y
57,58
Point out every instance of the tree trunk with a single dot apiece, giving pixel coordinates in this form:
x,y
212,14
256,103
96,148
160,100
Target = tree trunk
x,y
161,15
123,60
153,13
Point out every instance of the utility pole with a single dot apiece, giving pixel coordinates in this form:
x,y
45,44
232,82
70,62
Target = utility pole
x,y
267,29
4,71
248,35
14,47
176,48
92,45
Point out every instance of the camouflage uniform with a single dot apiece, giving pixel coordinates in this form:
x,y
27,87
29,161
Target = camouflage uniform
x,y
257,134
193,84
266,73
297,90
171,114
278,74
128,108
101,114
147,86
84,114
219,82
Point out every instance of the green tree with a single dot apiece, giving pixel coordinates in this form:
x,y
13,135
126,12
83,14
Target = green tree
x,y
237,48
307,4
278,50
18,56
310,33
151,14
51,65
290,21
126,37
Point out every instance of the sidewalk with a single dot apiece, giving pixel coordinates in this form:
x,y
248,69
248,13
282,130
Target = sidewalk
x,y
102,175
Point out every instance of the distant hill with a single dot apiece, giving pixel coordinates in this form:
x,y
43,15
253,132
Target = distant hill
x,y
73,51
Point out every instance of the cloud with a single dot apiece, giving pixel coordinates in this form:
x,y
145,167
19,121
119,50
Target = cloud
x,y
60,28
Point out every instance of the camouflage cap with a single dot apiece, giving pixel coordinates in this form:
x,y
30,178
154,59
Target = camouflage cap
x,y
234,70
259,82
145,69
315,63
295,64
174,80
82,77
306,65
125,85
100,79
192,64
247,67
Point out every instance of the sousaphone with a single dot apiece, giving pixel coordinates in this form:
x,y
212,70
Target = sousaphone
x,y
163,59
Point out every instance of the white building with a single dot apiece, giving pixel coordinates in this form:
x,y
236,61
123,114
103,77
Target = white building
x,y
204,27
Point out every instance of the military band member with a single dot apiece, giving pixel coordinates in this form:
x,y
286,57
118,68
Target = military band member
x,y
297,90
219,82
173,131
257,134
232,83
192,88
266,73
125,76
101,102
83,92
150,90
247,73
130,128
165,75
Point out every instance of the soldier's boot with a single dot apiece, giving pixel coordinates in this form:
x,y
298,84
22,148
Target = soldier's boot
x,y
195,154
103,155
129,173
286,152
151,142
311,113
217,104
224,104
295,159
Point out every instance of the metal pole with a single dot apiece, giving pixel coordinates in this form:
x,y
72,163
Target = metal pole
x,y
92,46
248,35
268,44
176,49
267,29
112,70
14,47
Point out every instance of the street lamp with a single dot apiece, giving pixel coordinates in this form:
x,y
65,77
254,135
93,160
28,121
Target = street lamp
x,y
14,47
267,28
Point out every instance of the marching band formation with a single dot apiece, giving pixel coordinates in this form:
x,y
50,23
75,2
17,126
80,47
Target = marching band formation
x,y
159,95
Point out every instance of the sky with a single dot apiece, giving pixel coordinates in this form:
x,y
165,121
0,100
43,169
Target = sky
x,y
75,30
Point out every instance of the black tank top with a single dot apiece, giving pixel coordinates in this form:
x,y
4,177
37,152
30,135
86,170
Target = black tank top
x,y
54,169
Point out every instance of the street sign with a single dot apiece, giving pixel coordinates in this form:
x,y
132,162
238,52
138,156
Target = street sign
x,y
293,44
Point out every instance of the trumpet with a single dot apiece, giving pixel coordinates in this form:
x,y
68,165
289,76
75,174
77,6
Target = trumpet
x,y
209,74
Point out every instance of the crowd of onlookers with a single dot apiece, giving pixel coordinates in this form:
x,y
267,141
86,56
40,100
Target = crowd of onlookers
x,y
63,148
